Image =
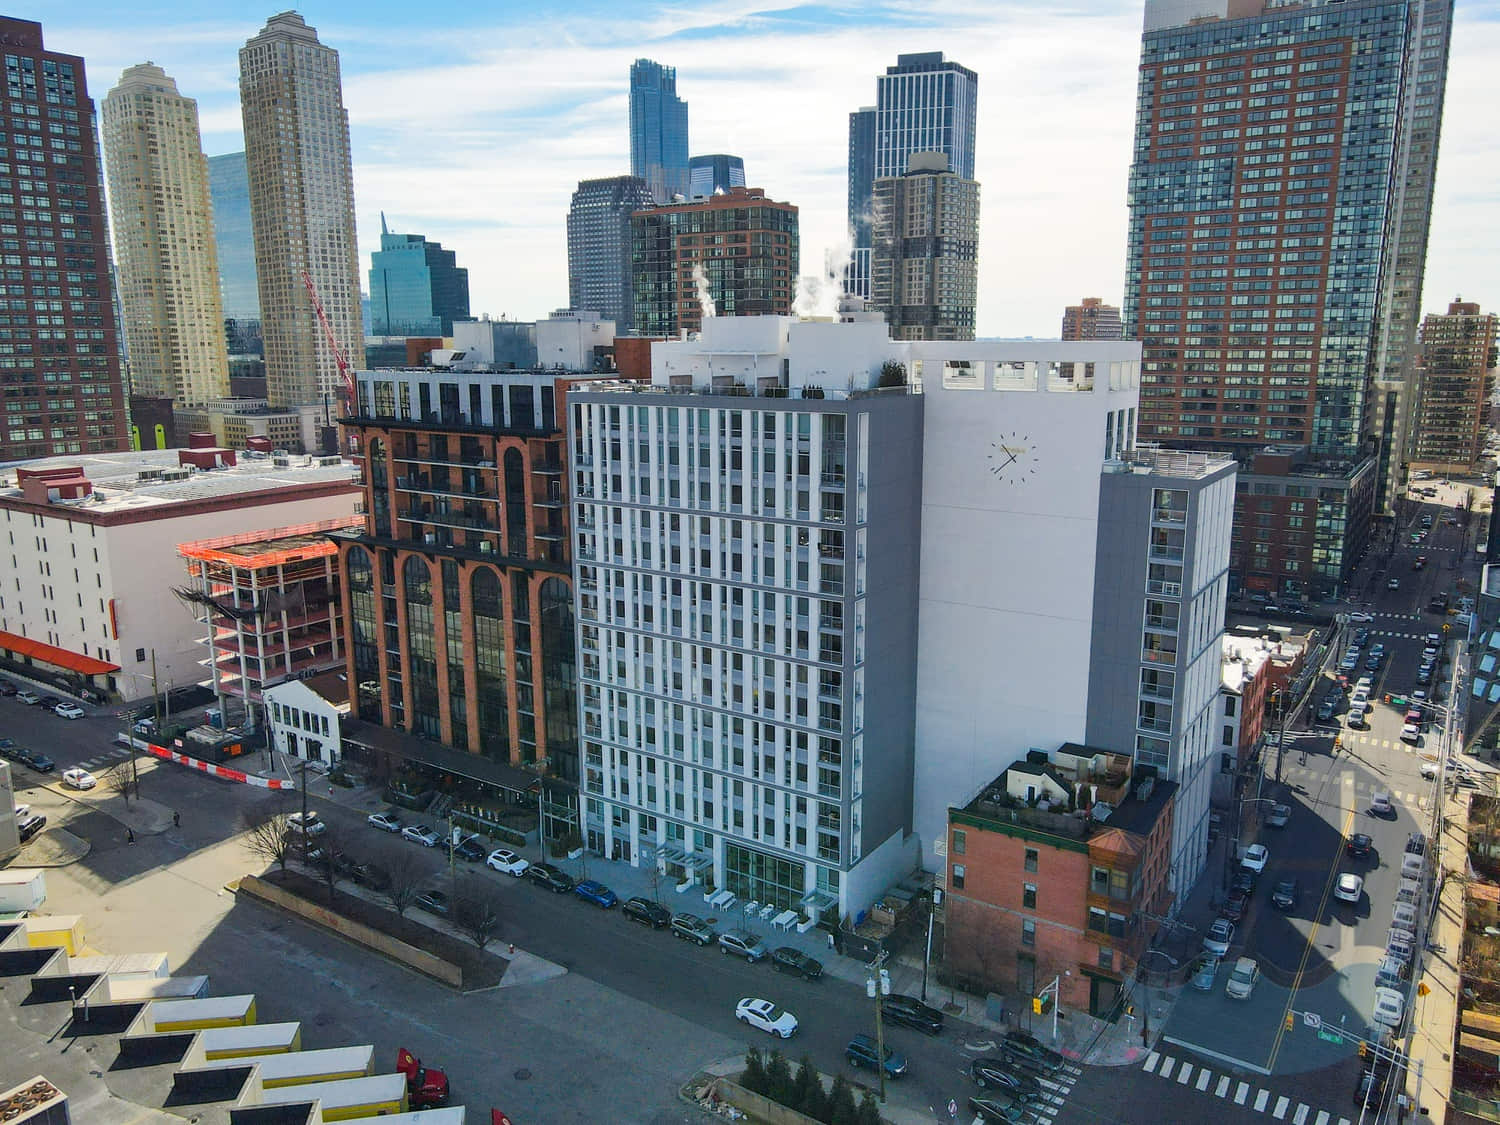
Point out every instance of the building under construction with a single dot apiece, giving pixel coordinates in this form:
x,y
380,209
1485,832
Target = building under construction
x,y
269,602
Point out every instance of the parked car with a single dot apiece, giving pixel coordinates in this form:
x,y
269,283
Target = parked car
x,y
1349,888
33,759
1202,972
1358,846
420,834
690,927
29,827
1284,894
503,859
1003,1075
592,891
28,697
470,849
648,913
1236,904
309,823
1256,857
1389,1008
79,778
386,822
999,1106
861,1052
770,1018
1242,981
1280,814
51,701
68,710
1244,880
1029,1052
744,944
1219,937
785,959
1411,733
910,1011
1369,1090
434,902
371,875
554,879
8,688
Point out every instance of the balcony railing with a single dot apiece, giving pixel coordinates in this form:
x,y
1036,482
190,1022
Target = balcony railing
x,y
1165,589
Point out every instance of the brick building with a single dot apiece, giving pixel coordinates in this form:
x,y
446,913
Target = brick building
x,y
1058,869
1456,377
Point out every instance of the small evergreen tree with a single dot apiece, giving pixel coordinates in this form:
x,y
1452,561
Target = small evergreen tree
x,y
810,1098
841,1107
780,1085
754,1077
869,1112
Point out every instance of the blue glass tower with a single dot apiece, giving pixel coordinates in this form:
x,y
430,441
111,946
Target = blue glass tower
x,y
714,172
658,130
416,287
229,188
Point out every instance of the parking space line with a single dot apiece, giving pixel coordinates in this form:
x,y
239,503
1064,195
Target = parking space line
x,y
1241,1092
1260,1101
1203,1078
1166,1066
1185,1074
1151,1060
1281,1103
1223,1087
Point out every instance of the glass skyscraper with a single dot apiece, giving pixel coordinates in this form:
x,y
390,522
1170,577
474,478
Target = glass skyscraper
x,y
416,287
1264,202
599,246
658,130
714,172
234,237
922,104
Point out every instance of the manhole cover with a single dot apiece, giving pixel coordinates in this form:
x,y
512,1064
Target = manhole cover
x,y
522,1074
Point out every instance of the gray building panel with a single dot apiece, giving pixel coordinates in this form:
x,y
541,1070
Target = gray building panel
x,y
1119,606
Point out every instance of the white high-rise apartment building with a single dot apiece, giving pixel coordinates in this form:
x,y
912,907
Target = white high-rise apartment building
x,y
166,259
302,207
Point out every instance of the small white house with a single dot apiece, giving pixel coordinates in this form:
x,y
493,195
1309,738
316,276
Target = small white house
x,y
304,716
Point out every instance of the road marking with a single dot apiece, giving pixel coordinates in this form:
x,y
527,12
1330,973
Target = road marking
x,y
1344,1121
1241,1092
1223,1087
1323,1116
1166,1067
1260,1101
1300,1117
1185,1074
1151,1060
1204,1078
1280,1111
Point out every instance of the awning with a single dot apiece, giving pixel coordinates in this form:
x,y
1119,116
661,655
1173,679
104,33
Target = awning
x,y
409,747
55,657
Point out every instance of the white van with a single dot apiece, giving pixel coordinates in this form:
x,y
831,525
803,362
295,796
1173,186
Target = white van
x,y
1404,917
1413,867
1410,892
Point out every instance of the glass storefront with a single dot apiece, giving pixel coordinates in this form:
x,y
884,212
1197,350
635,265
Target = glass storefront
x,y
757,877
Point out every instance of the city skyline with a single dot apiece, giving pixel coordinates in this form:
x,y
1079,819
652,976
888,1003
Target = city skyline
x,y
539,142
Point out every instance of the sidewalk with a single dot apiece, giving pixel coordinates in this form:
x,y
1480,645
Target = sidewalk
x,y
1429,1079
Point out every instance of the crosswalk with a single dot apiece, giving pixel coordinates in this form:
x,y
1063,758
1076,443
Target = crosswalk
x,y
1248,1095
1400,636
107,758
1362,788
1055,1090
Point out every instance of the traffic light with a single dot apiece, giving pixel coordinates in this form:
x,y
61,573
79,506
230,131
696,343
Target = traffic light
x,y
1364,1049
1036,1005
1041,1005
1289,1021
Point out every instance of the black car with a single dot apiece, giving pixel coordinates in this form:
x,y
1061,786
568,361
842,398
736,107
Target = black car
x,y
1235,905
371,875
35,760
1369,1090
469,848
1284,894
554,879
31,826
434,902
1244,880
646,912
1358,846
785,959
8,688
1000,1107
1003,1075
912,1012
50,701
1027,1051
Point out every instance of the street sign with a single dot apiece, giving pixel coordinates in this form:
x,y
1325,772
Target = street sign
x,y
1329,1035
1312,1020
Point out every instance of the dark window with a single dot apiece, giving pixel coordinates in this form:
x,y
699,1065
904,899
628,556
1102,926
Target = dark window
x,y
1028,896
958,876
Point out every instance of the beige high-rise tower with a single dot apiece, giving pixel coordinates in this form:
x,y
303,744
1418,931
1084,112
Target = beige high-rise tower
x,y
163,229
301,208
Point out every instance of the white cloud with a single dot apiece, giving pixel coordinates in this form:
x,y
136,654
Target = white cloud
x,y
477,136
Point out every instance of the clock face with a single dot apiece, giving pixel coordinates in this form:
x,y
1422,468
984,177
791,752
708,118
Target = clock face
x,y
1013,459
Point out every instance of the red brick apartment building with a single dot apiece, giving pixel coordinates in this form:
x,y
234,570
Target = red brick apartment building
x,y
1058,868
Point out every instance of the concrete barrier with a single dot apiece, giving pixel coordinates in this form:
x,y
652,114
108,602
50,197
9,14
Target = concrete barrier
x,y
427,964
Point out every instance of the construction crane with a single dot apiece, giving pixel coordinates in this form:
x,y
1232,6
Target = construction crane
x,y
338,355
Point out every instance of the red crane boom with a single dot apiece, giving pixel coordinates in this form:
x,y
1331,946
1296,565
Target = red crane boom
x,y
338,355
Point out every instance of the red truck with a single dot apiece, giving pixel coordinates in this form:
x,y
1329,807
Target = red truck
x,y
425,1087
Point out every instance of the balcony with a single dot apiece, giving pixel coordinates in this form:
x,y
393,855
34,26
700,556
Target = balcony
x,y
1164,552
1159,656
1165,589
1169,515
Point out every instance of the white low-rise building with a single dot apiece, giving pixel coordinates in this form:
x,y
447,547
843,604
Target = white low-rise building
x,y
303,717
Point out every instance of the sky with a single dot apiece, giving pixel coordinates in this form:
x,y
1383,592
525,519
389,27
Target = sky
x,y
472,123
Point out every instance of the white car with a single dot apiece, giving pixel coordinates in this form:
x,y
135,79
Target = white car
x,y
1349,888
79,778
309,823
1242,981
420,834
1390,1006
1411,733
68,710
1362,618
503,859
1219,937
1256,857
383,821
766,1016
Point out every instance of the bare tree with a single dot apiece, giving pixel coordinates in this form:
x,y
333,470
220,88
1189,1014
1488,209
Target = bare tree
x,y
120,778
331,842
266,837
475,911
404,867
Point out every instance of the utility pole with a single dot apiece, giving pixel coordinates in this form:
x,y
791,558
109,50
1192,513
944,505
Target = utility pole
x,y
934,897
1280,733
303,783
877,987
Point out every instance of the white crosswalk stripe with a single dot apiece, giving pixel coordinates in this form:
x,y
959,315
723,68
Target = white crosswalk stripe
x,y
1300,1117
1222,1087
1280,1111
1184,1075
1203,1078
1283,1108
1166,1067
1151,1060
1323,1117
1260,1100
1242,1091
